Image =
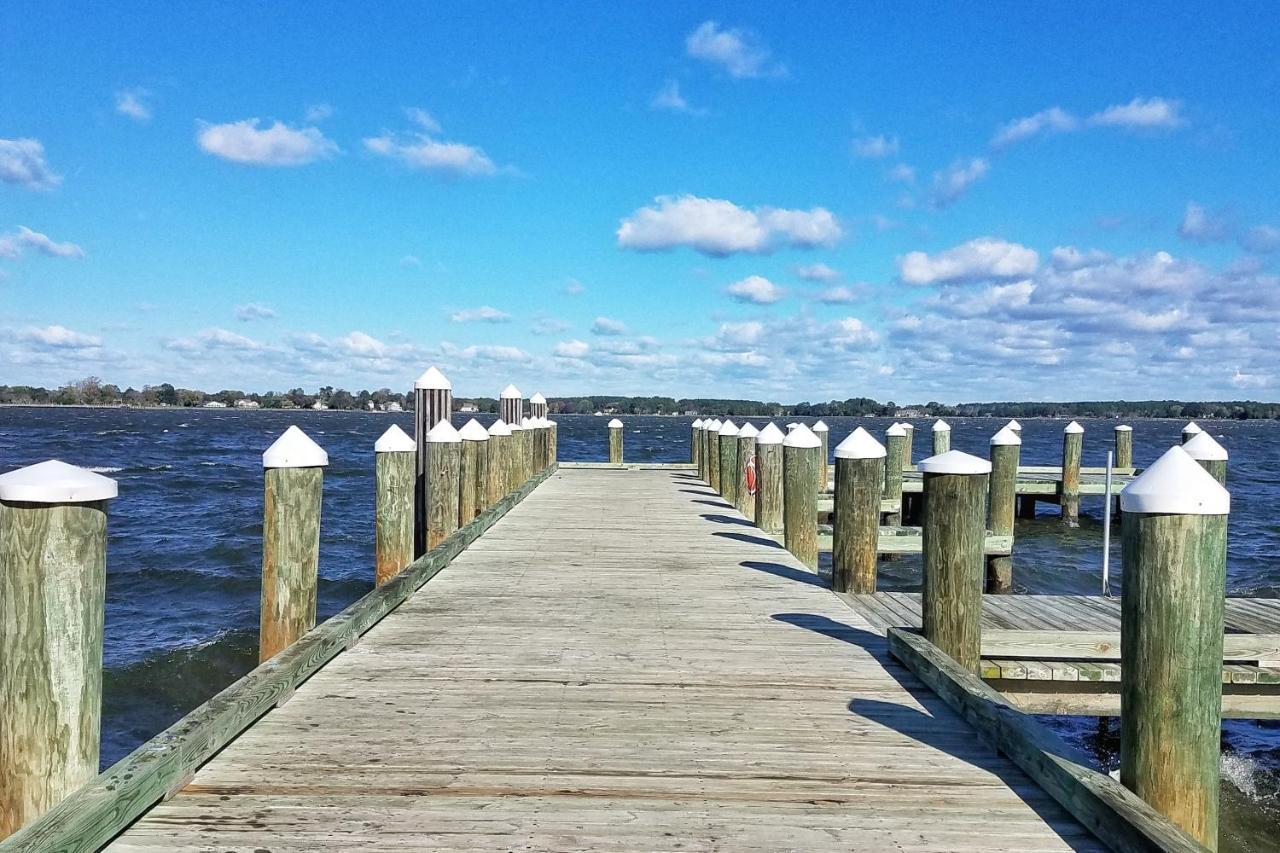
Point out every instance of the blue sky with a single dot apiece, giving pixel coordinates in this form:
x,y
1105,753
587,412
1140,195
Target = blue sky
x,y
752,200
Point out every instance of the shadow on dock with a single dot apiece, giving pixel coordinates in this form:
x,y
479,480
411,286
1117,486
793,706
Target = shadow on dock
x,y
791,574
742,537
727,519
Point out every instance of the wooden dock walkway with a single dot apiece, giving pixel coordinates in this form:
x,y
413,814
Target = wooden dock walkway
x,y
620,663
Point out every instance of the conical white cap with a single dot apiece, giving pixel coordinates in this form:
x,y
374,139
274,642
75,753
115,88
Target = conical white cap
x,y
770,434
615,424
1005,436
1073,427
714,426
896,429
820,426
941,426
748,431
394,440
728,428
538,398
443,433
499,427
473,431
294,449
860,444
1175,484
1124,428
526,423
433,380
954,462
511,392
1015,426
56,482
792,426
1191,428
515,427
1203,448
697,424
801,436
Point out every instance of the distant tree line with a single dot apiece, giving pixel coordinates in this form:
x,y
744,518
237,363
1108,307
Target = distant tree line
x,y
91,391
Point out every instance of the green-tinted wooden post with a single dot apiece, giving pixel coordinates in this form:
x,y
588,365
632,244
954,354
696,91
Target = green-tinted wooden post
x,y
528,435
1174,545
823,432
553,439
294,474
800,450
713,454
53,566
895,444
908,446
746,491
498,475
395,470
860,464
695,445
615,441
473,474
941,437
1190,431
955,508
515,453
1211,455
444,464
769,479
1006,447
1069,488
729,461
1124,446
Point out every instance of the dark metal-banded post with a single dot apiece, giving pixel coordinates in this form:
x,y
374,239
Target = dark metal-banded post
x,y
955,503
1069,488
499,474
473,472
856,527
746,489
800,451
444,463
713,455
53,566
1190,431
895,442
1124,446
1211,455
432,403
511,405
695,446
823,432
615,441
537,406
941,437
294,475
729,461
394,476
769,479
1174,545
1006,447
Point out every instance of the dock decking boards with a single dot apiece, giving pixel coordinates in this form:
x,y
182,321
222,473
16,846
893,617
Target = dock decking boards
x,y
619,664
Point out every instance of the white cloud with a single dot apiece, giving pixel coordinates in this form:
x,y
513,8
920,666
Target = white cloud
x,y
755,289
606,326
669,98
1262,239
486,353
58,337
277,145
420,150
254,311
954,181
1201,225
741,334
571,349
718,227
215,339
133,103
548,326
317,113
1052,120
424,120
483,314
983,258
411,261
875,147
1071,258
13,244
817,272
838,295
737,51
852,333
902,174
1157,113
22,162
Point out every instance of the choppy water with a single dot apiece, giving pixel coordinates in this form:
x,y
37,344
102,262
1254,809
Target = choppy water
x,y
184,556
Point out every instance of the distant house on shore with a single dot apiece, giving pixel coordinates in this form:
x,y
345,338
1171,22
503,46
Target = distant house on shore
x,y
393,407
468,408
246,403
214,404
319,406
909,413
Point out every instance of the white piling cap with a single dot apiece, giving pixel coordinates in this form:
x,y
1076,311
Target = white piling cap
x,y
860,444
514,428
896,429
294,449
615,424
473,431
433,380
526,423
1191,428
941,426
728,428
820,426
1203,448
801,436
499,427
1124,428
1005,437
770,434
394,440
1014,425
1175,484
954,462
748,431
538,398
697,424
511,392
713,426
792,426
541,422
1073,428
443,433
56,482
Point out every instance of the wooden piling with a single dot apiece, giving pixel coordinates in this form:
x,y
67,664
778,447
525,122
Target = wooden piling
x,y
53,559
528,435
498,477
1016,427
473,472
895,444
713,455
1006,449
1124,446
1212,456
941,437
1069,488
1174,545
515,453
769,479
908,446
394,465
553,443
695,445
293,478
1190,431
615,441
444,464
823,432
729,461
800,467
433,402
511,405
860,464
955,502
746,488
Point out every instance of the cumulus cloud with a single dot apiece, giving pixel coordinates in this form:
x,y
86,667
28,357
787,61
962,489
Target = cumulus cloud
x,y
983,258
1262,239
548,326
605,326
13,244
817,272
1052,120
902,174
483,314
875,147
254,311
755,289
317,113
718,227
421,150
1202,225
1139,114
1071,258
57,337
670,99
951,183
839,295
134,104
739,52
22,163
277,145
571,349
215,339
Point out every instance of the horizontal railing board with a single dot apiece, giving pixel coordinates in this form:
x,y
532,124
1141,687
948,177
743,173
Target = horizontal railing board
x,y
1105,645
